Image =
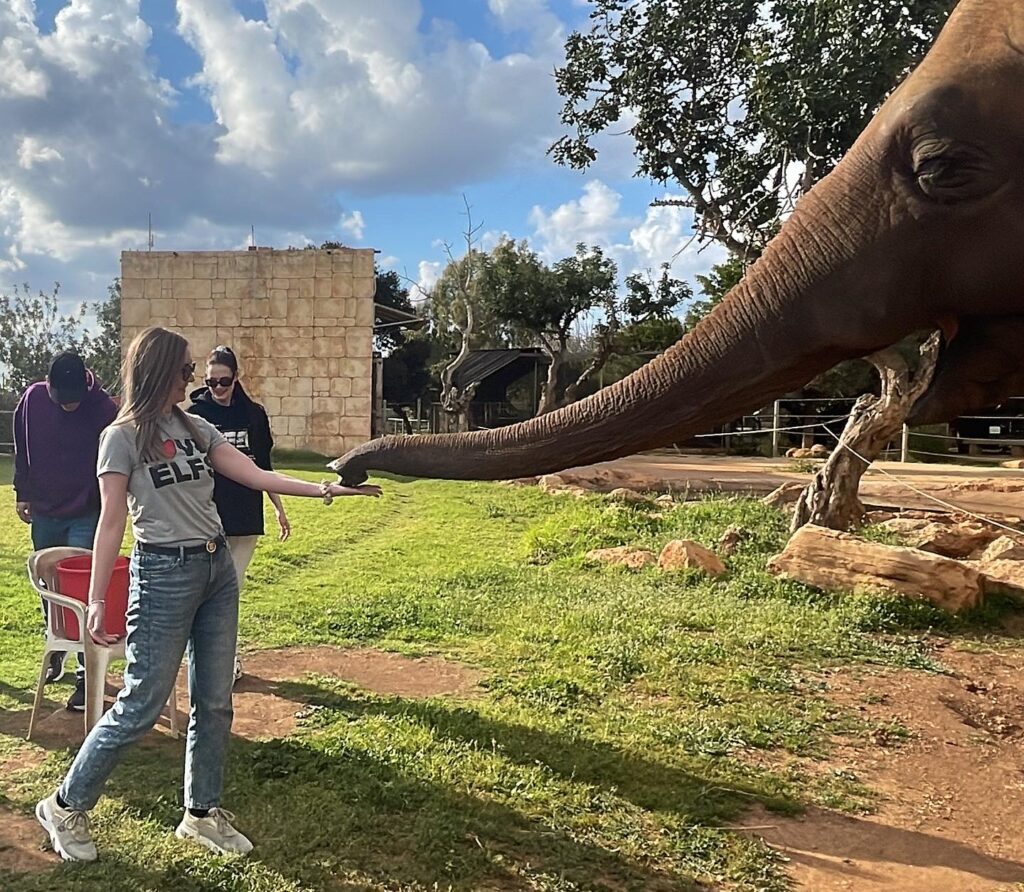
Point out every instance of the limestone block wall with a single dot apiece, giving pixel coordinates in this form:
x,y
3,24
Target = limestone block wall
x,y
300,322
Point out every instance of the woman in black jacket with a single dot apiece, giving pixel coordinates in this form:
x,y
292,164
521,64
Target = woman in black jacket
x,y
245,425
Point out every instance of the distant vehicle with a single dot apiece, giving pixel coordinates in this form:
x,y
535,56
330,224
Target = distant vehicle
x,y
997,430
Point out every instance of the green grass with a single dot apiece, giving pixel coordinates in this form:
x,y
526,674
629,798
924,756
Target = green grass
x,y
611,747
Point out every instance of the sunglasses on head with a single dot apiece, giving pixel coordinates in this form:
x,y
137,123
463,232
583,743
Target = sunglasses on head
x,y
219,382
188,372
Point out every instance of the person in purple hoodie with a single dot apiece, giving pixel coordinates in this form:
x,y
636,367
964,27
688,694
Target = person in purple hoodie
x,y
57,425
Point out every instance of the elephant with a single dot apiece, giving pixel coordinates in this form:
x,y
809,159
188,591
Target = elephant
x,y
919,226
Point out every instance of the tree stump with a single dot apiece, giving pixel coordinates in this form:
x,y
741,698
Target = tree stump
x,y
831,499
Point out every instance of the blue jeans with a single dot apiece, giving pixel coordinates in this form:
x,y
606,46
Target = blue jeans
x,y
49,532
174,601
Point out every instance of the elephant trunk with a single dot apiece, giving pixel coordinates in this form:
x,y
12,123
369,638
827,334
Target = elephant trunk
x,y
799,310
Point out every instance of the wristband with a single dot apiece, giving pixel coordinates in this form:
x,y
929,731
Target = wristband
x,y
97,601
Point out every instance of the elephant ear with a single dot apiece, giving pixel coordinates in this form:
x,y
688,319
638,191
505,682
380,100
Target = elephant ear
x,y
979,369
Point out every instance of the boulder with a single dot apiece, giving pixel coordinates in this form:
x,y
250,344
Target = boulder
x,y
785,495
819,450
1004,548
682,554
1001,576
731,539
623,556
666,501
799,452
577,492
621,494
551,482
831,560
1016,463
955,540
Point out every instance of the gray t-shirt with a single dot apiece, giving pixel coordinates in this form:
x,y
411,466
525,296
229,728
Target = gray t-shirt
x,y
171,500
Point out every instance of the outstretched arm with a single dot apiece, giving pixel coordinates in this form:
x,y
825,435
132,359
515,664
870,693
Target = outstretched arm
x,y
234,465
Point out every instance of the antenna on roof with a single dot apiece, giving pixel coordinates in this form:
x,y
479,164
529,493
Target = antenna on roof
x,y
149,241
252,231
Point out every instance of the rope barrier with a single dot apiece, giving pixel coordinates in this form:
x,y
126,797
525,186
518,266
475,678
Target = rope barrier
x,y
1012,530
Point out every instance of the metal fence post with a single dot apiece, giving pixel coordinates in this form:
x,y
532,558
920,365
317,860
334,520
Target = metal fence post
x,y
905,445
776,418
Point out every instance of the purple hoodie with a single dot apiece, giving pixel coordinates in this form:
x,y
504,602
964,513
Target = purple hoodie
x,y
55,451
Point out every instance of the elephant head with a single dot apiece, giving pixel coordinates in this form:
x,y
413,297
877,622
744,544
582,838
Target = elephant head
x,y
921,225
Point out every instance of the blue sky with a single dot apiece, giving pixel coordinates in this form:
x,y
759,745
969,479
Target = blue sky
x,y
308,119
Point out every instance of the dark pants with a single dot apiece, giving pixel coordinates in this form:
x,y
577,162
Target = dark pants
x,y
78,532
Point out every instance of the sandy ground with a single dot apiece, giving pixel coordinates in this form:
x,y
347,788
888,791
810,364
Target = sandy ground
x,y
951,814
990,491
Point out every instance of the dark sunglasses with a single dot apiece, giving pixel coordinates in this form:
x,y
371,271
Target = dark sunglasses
x,y
219,382
188,372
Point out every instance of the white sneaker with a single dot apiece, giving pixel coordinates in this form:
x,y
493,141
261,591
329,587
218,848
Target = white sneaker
x,y
215,832
68,830
238,670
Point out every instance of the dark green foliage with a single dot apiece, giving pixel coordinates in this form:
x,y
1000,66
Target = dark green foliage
x,y
722,98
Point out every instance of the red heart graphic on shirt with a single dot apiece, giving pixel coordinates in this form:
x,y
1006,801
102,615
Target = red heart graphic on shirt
x,y
169,448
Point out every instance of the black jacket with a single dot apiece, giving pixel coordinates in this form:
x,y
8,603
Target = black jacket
x,y
245,425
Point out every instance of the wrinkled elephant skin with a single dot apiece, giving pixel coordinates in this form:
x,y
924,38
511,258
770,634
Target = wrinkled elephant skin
x,y
920,226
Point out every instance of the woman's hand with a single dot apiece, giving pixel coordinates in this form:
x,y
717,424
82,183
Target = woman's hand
x,y
367,489
282,522
95,624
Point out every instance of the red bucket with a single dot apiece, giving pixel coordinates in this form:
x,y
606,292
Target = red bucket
x,y
73,581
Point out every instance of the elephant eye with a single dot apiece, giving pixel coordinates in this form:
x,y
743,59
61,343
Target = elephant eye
x,y
951,176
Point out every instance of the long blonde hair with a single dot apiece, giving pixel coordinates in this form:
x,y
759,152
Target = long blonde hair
x,y
151,367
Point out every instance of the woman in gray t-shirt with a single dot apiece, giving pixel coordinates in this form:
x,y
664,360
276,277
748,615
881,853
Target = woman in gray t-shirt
x,y
157,463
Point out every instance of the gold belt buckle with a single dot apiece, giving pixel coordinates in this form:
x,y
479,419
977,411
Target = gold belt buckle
x,y
211,545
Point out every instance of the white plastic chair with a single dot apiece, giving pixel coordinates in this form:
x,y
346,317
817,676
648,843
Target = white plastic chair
x,y
42,573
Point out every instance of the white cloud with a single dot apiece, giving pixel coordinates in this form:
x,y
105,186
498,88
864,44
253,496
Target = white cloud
x,y
663,235
428,273
32,152
325,96
354,225
593,219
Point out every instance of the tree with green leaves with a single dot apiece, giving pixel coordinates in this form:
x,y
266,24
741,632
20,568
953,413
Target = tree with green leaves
x,y
32,331
103,348
638,324
741,104
544,302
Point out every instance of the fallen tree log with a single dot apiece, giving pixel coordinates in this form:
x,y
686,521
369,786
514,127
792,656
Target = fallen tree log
x,y
836,561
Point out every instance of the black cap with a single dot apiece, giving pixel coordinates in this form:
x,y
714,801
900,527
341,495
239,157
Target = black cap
x,y
66,378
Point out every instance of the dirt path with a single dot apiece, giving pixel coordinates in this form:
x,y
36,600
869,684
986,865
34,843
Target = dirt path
x,y
266,706
951,817
991,491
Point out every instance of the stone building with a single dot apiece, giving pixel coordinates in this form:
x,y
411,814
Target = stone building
x,y
301,323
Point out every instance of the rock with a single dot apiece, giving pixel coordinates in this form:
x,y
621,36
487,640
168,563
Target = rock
x,y
873,517
831,560
681,554
799,452
623,556
1002,576
955,540
550,482
665,500
1016,464
785,495
731,538
1004,548
627,495
576,491
819,450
